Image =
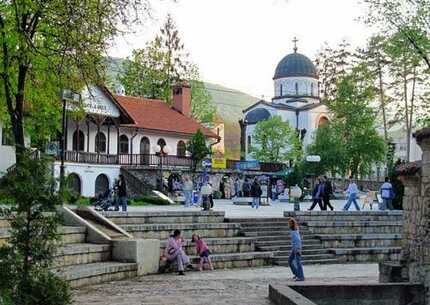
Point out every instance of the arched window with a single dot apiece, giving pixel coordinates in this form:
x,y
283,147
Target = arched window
x,y
312,89
181,149
102,184
280,90
100,145
123,144
322,121
145,146
249,144
297,88
78,141
162,143
74,184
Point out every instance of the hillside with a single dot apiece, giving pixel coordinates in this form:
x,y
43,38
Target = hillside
x,y
229,103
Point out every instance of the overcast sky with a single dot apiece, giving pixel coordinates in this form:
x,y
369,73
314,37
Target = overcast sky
x,y
238,43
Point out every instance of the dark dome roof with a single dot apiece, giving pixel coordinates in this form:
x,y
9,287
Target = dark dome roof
x,y
295,64
257,115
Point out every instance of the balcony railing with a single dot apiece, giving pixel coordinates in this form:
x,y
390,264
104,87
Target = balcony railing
x,y
156,160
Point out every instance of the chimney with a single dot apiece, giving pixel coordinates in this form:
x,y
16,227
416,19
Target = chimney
x,y
182,98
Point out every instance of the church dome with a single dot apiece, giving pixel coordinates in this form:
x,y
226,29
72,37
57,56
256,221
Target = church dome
x,y
295,64
257,115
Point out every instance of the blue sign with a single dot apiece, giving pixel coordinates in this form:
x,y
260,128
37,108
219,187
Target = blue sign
x,y
244,165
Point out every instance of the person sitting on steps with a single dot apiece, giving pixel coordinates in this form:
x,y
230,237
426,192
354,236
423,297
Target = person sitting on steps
x,y
174,252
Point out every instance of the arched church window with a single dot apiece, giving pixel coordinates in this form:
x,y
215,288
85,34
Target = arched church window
x,y
123,144
74,184
102,184
100,142
280,90
181,149
312,89
78,141
249,144
297,88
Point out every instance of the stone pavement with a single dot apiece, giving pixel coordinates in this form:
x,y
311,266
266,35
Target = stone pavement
x,y
233,287
275,210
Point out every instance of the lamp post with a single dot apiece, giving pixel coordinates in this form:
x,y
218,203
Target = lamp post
x,y
66,95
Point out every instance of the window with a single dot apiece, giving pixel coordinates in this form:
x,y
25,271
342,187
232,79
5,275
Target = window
x,y
7,137
145,146
181,149
297,88
74,184
312,89
123,144
100,145
102,184
280,90
78,140
249,144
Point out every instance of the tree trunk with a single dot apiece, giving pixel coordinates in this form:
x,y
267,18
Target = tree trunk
x,y
406,105
411,112
382,101
17,117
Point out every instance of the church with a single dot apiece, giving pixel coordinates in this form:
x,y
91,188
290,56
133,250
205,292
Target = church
x,y
296,100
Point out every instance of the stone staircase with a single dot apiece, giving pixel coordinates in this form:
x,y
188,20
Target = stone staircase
x,y
272,234
79,262
229,249
370,236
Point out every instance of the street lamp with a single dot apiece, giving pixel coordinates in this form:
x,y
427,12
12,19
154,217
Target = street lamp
x,y
66,95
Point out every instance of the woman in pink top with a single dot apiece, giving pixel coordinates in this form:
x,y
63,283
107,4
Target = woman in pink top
x,y
203,251
175,252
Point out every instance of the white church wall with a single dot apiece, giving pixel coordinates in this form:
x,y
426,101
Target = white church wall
x,y
88,174
307,86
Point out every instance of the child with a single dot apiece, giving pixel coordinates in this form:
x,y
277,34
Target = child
x,y
202,251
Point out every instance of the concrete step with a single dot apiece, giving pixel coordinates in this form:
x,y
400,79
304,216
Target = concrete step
x,y
360,240
68,234
257,220
355,227
222,245
285,242
309,262
271,228
163,231
82,253
305,252
374,254
287,247
305,257
345,215
165,217
95,273
275,235
238,260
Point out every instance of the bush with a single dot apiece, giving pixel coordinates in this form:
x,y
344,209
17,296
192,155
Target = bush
x,y
217,195
148,200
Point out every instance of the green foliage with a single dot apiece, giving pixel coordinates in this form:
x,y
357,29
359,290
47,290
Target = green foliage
x,y
155,69
197,147
25,261
50,45
350,144
275,141
148,200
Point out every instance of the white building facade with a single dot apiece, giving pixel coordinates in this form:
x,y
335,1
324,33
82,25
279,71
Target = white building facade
x,y
296,100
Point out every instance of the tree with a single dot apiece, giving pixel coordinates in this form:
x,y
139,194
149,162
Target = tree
x,y
275,141
350,144
153,70
411,19
25,275
49,45
197,147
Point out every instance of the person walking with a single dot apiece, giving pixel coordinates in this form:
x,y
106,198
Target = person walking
x,y
317,195
222,188
121,189
246,188
206,192
256,194
236,188
175,253
328,191
352,191
295,258
387,195
188,192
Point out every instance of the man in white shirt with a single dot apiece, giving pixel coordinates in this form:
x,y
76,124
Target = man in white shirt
x,y
352,191
387,195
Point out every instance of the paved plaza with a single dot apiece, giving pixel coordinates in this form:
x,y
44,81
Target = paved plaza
x,y
274,210
233,287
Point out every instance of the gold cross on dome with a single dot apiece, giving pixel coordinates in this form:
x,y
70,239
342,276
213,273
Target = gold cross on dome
x,y
295,40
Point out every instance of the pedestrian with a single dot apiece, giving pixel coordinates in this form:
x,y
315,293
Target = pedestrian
x,y
222,188
246,188
295,259
317,195
352,191
328,191
174,252
387,195
206,192
202,251
121,189
237,188
188,191
274,195
256,194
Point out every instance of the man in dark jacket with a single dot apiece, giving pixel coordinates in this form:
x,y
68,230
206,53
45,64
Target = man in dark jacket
x,y
317,195
328,191
122,194
256,194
